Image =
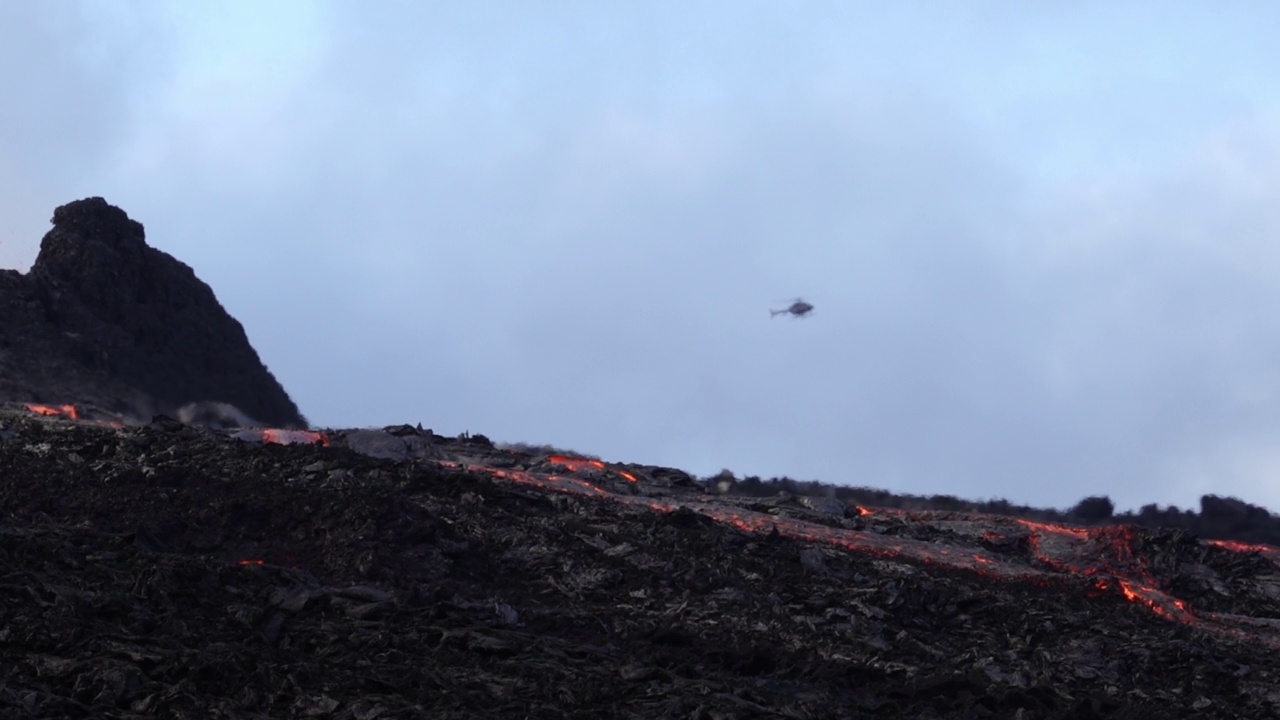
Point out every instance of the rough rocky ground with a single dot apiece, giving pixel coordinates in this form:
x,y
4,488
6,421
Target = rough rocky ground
x,y
173,571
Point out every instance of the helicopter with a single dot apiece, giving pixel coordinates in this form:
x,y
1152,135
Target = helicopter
x,y
798,308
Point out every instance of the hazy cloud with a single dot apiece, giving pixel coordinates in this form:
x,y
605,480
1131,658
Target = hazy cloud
x,y
1039,241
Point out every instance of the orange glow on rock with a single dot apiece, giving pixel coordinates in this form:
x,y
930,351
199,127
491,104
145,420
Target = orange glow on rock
x,y
294,437
1243,546
575,464
68,411
580,464
1077,532
1157,601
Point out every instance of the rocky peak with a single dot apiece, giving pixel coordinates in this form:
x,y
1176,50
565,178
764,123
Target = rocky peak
x,y
102,312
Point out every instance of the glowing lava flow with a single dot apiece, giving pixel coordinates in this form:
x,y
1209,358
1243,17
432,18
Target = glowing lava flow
x,y
1270,552
1093,558
67,411
576,464
271,436
294,437
580,464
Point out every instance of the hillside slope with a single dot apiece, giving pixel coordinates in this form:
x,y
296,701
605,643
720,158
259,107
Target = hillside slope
x,y
184,572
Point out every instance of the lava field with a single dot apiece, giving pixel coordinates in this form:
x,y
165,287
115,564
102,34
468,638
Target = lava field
x,y
170,570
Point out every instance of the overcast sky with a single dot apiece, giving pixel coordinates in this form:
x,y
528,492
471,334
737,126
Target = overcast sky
x,y
1043,239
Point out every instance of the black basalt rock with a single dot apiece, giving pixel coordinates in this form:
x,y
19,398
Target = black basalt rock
x,y
103,318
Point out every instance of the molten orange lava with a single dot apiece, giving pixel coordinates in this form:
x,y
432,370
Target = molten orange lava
x,y
1243,546
1077,532
580,464
294,437
1270,552
575,464
1157,601
68,411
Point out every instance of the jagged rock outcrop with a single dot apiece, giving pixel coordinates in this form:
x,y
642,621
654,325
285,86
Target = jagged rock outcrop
x,y
103,318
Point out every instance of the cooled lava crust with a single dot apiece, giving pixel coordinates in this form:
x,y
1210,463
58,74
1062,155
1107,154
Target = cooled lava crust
x,y
174,571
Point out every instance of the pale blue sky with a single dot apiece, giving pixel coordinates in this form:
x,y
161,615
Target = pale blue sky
x,y
1040,237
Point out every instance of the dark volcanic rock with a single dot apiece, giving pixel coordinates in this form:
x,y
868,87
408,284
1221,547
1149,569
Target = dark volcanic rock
x,y
103,318
172,571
